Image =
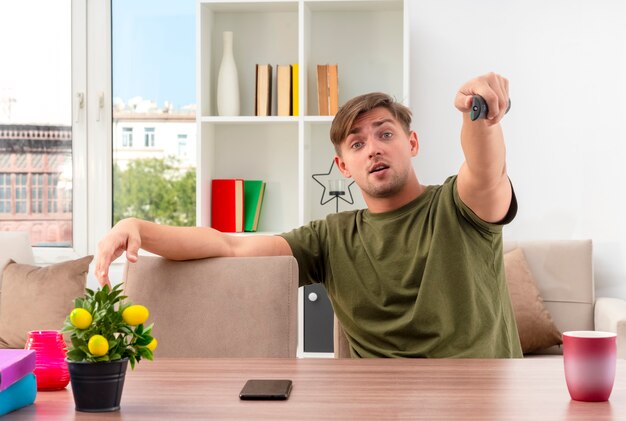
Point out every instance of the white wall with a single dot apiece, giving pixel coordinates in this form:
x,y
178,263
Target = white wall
x,y
565,133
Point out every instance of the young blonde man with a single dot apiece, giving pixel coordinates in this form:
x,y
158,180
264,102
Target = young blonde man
x,y
419,273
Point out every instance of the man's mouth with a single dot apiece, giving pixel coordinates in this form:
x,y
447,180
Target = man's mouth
x,y
378,167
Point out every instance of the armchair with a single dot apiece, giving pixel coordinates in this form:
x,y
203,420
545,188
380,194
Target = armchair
x,y
219,307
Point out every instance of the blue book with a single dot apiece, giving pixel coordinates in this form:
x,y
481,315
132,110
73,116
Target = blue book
x,y
20,394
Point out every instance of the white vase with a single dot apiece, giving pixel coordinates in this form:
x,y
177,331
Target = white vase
x,y
227,81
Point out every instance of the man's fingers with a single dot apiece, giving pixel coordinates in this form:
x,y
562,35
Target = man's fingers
x,y
102,275
492,88
102,268
132,248
463,102
498,104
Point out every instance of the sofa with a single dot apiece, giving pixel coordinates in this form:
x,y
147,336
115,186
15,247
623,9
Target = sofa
x,y
562,271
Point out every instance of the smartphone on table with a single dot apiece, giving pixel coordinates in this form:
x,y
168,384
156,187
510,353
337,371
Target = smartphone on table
x,y
266,389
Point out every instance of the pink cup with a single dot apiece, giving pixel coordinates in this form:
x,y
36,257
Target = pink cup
x,y
589,357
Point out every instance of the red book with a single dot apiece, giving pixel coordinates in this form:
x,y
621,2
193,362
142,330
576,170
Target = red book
x,y
227,205
15,364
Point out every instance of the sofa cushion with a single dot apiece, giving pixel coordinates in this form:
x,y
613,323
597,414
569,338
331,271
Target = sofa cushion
x,y
38,298
534,323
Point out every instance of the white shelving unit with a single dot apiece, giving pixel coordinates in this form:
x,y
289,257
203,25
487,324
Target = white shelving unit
x,y
368,39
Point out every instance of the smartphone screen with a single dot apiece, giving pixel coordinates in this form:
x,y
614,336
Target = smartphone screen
x,y
261,389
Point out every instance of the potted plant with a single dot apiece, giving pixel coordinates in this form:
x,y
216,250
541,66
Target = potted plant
x,y
106,333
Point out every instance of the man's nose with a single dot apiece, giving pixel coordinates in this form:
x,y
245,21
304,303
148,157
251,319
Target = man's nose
x,y
373,148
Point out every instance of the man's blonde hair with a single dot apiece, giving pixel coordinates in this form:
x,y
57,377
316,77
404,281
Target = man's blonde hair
x,y
351,110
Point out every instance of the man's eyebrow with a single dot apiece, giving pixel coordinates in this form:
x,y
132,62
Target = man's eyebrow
x,y
377,123
381,122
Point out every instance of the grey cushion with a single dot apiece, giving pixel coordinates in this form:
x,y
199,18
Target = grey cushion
x,y
38,298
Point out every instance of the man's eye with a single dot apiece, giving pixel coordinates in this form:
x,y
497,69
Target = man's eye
x,y
387,135
356,145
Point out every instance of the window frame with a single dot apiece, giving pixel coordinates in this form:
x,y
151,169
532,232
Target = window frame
x,y
91,117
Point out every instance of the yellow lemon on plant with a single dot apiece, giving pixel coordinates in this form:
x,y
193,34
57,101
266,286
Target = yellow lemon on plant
x,y
152,345
135,315
80,318
98,345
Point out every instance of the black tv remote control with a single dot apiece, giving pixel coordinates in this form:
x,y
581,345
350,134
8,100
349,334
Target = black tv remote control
x,y
480,109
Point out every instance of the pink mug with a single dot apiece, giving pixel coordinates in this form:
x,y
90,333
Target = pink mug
x,y
589,358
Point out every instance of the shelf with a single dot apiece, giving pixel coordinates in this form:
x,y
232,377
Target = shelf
x,y
247,120
367,39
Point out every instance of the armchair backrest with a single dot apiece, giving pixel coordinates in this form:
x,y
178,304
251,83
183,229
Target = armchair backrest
x,y
218,307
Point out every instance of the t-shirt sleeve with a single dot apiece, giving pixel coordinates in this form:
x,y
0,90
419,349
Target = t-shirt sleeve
x,y
308,247
477,221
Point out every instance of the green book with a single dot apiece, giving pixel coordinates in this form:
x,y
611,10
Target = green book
x,y
253,191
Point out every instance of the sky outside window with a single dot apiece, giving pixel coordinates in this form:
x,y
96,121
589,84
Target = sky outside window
x,y
154,51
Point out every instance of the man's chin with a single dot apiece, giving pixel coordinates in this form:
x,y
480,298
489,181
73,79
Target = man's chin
x,y
382,192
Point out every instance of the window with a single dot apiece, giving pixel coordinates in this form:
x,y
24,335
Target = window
x,y
5,193
21,192
37,132
127,137
182,145
36,193
149,137
46,116
53,197
155,95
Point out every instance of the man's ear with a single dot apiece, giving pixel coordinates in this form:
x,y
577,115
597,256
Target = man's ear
x,y
414,142
341,165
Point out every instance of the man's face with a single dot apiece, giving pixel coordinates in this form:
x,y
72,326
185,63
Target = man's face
x,y
377,154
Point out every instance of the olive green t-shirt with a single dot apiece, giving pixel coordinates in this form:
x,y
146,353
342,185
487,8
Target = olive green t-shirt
x,y
424,280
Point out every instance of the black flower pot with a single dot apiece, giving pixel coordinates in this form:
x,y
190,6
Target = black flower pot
x,y
97,387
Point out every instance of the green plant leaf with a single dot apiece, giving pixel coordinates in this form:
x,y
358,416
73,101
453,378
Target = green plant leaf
x,y
75,355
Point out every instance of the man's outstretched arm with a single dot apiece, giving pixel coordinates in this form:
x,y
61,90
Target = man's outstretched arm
x,y
482,183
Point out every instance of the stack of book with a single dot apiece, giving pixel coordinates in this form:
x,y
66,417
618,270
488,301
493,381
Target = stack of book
x,y
18,386
327,89
286,82
236,204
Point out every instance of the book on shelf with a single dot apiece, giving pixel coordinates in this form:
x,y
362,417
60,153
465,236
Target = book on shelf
x,y
327,89
263,97
14,365
294,90
322,89
227,201
20,394
333,90
254,190
283,89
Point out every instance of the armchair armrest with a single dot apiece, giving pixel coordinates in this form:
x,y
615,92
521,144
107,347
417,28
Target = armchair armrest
x,y
610,316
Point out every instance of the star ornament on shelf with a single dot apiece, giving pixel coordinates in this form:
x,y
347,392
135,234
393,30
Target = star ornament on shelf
x,y
327,180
